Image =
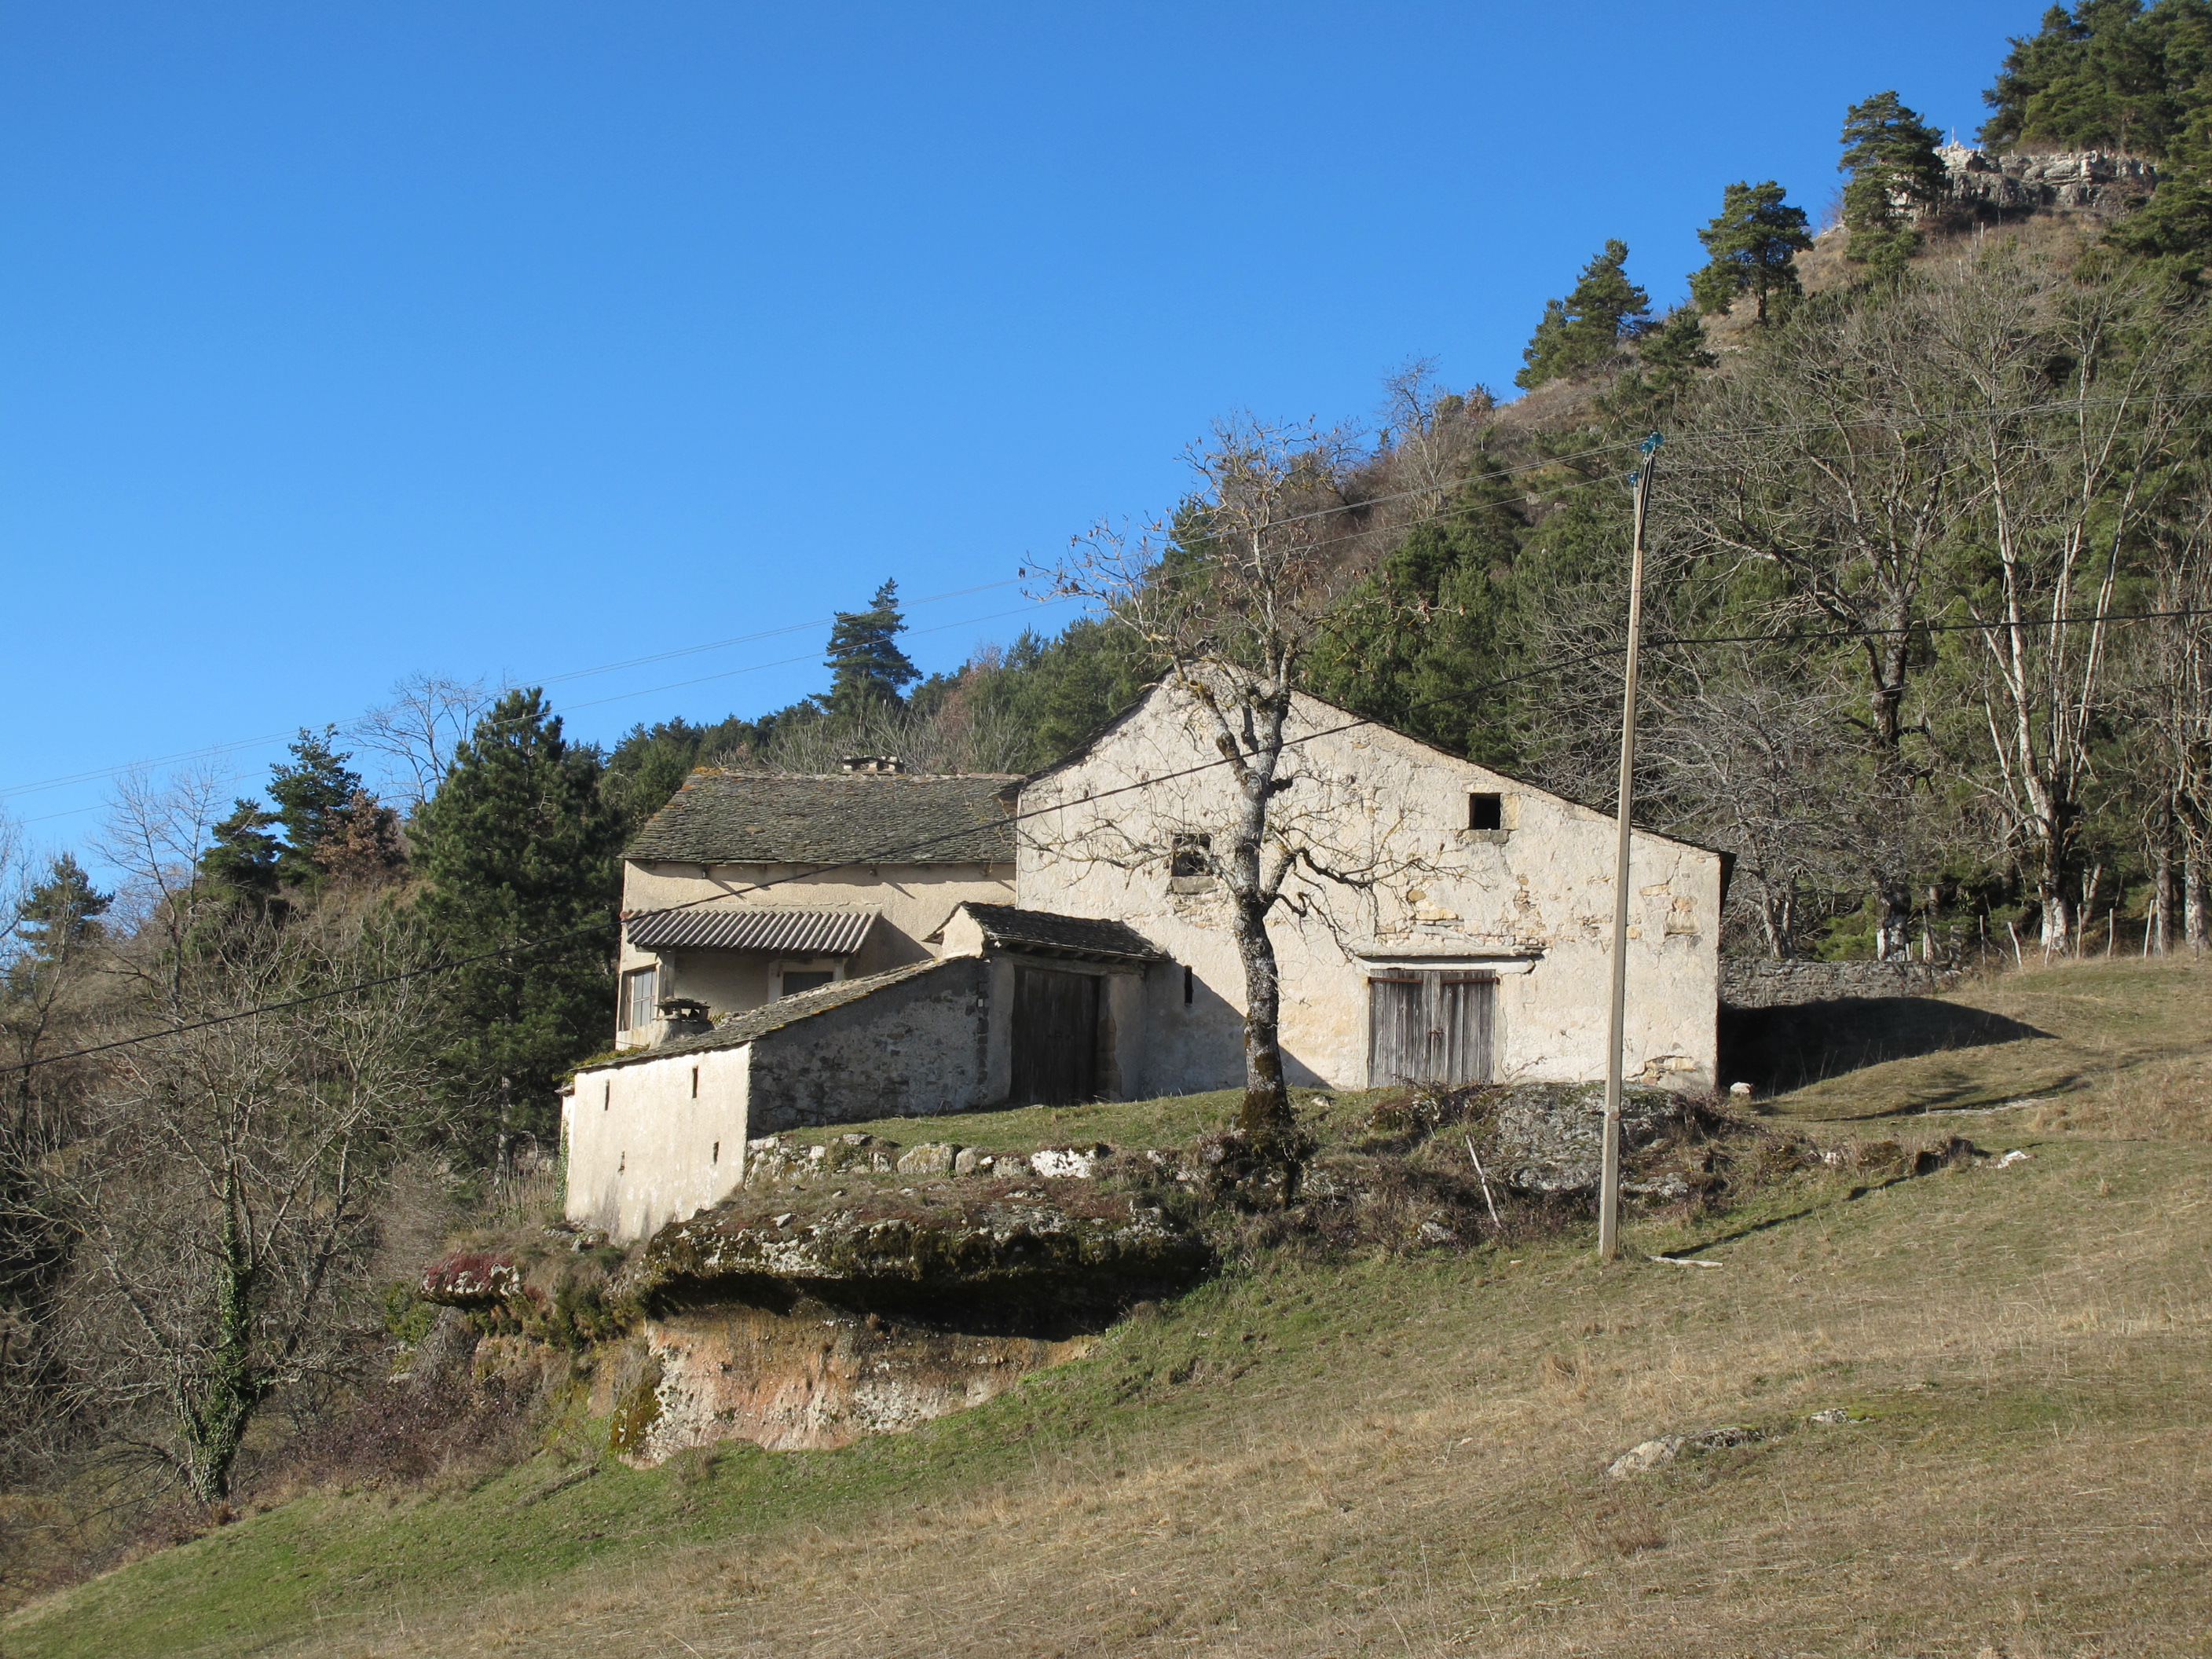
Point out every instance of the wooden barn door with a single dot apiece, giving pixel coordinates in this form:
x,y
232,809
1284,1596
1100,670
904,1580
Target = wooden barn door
x,y
1056,1037
1429,1027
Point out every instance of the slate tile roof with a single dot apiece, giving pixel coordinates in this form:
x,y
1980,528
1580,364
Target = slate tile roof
x,y
735,1029
753,927
859,818
1043,930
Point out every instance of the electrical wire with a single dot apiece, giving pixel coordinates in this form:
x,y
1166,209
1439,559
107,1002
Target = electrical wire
x,y
1538,464
901,853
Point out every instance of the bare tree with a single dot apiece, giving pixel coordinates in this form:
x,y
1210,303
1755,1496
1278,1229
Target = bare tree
x,y
2071,434
1762,764
218,1199
959,735
1831,456
1230,600
2163,691
416,732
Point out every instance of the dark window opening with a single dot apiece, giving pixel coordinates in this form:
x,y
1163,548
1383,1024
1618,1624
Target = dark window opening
x,y
1485,811
695,1083
812,979
608,1099
716,1155
1189,987
1188,857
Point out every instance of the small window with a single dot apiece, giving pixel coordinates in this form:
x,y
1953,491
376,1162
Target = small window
x,y
812,979
639,995
695,1083
1485,811
1189,856
715,1157
1189,987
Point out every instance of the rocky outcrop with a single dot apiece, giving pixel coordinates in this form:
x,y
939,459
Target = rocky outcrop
x,y
471,1279
988,1255
2079,182
815,1373
1550,1137
806,1318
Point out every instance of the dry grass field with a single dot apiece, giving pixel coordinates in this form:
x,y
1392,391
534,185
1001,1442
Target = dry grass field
x,y
1405,1455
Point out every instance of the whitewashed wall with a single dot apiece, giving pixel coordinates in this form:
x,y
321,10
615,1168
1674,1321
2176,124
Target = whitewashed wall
x,y
643,1149
1534,901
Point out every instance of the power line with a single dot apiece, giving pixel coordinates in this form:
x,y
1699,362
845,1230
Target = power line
x,y
1540,464
211,749
899,852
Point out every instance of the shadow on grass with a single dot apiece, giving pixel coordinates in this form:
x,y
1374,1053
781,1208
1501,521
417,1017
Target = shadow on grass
x,y
1777,1050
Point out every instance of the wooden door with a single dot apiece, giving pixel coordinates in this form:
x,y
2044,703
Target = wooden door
x,y
1429,1027
1056,1037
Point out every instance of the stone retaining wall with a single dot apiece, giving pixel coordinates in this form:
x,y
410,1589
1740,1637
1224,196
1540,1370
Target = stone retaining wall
x,y
1758,983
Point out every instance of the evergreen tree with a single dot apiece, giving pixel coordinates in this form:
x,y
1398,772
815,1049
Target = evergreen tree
x,y
1755,244
869,670
2109,74
1414,641
313,795
1895,175
518,848
62,911
1585,331
243,856
651,763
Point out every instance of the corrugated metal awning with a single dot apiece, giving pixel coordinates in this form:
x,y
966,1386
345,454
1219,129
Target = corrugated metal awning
x,y
792,933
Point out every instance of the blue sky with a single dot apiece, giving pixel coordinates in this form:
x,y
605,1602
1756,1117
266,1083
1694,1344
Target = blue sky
x,y
347,341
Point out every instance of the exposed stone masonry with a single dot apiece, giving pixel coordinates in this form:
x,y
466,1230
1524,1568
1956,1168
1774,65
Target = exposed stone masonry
x,y
1758,983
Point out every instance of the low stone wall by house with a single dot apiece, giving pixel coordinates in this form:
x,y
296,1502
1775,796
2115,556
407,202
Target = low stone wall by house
x,y
1760,984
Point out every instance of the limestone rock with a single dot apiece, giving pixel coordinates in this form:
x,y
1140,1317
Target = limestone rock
x,y
471,1279
995,1257
973,1161
1650,1454
1550,1136
1069,1163
1646,1454
931,1157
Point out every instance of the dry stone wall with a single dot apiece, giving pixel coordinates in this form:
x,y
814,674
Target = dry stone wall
x,y
1758,983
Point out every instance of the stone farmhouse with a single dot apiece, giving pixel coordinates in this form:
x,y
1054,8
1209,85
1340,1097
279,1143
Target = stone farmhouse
x,y
802,950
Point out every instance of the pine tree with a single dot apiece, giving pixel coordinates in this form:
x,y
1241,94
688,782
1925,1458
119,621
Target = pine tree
x,y
62,911
1585,331
1755,244
313,795
1895,175
243,856
869,669
2111,73
518,848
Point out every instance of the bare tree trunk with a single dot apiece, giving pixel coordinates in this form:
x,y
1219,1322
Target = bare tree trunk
x,y
1267,1108
2192,899
2159,920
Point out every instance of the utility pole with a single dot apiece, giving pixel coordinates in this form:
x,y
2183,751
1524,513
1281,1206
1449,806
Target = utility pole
x,y
1608,1211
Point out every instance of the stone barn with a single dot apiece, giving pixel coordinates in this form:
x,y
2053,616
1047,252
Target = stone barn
x,y
938,945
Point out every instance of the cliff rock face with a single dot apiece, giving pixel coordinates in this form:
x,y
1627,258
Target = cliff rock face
x,y
812,1374
2085,181
804,1319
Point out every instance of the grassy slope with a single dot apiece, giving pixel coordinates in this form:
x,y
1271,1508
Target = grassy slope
x,y
1404,1455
